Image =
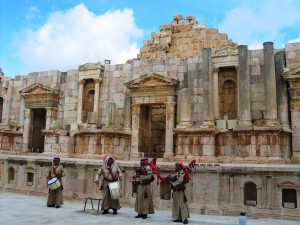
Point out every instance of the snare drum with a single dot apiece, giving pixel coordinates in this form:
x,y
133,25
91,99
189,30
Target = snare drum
x,y
114,188
54,183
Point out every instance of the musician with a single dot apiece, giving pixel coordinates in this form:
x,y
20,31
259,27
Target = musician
x,y
180,211
144,201
55,197
111,173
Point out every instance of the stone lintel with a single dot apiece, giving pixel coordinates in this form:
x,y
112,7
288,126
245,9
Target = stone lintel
x,y
104,132
267,130
192,131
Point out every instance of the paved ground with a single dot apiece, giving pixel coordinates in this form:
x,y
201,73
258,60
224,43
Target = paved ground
x,y
16,209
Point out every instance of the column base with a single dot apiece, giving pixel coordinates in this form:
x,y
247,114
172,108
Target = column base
x,y
184,125
208,124
168,155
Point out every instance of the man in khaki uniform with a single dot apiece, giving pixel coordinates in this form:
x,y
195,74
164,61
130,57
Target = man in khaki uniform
x,y
111,173
144,201
180,211
55,197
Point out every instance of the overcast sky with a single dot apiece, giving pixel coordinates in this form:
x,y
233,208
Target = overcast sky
x,y
39,35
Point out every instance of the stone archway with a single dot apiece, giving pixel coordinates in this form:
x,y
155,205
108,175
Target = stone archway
x,y
153,115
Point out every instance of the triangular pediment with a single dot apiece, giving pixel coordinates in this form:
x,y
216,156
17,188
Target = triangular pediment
x,y
288,184
152,80
38,89
291,72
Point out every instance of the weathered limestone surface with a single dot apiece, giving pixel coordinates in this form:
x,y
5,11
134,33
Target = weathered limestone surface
x,y
191,94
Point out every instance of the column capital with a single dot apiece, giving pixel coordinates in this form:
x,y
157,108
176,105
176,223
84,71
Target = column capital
x,y
216,69
97,80
81,81
136,108
170,107
27,112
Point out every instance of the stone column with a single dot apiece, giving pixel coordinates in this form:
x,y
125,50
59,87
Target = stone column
x,y
282,91
185,108
298,196
136,110
26,131
96,98
269,193
244,112
241,198
79,103
7,102
127,113
208,114
231,189
22,112
258,197
294,80
110,110
270,113
170,122
51,116
216,92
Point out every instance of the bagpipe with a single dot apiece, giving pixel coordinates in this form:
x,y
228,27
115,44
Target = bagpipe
x,y
190,167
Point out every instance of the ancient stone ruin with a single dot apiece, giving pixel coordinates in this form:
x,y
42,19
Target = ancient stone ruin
x,y
191,93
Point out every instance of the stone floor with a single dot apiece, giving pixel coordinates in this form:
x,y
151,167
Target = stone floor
x,y
17,209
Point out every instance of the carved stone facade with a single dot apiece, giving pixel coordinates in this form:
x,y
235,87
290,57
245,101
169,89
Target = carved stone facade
x,y
191,94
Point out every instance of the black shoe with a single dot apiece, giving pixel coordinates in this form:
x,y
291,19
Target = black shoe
x,y
177,220
139,216
144,216
115,211
185,221
57,206
50,205
105,211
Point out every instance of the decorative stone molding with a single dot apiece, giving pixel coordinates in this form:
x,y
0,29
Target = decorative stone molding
x,y
224,52
40,96
91,71
152,88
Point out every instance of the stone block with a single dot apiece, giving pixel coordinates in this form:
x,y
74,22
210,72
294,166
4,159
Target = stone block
x,y
221,124
231,124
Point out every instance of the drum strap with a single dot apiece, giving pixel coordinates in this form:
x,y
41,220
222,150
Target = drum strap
x,y
111,174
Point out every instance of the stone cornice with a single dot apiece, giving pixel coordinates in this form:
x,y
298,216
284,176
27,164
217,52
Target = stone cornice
x,y
194,131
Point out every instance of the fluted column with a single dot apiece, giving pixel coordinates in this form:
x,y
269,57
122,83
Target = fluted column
x,y
270,113
26,132
96,98
185,108
136,110
127,113
216,92
282,90
79,103
208,112
170,122
244,112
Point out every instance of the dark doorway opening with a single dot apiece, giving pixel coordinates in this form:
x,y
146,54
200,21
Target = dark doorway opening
x,y
38,121
153,130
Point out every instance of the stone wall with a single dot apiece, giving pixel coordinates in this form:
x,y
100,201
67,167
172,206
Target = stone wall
x,y
213,188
